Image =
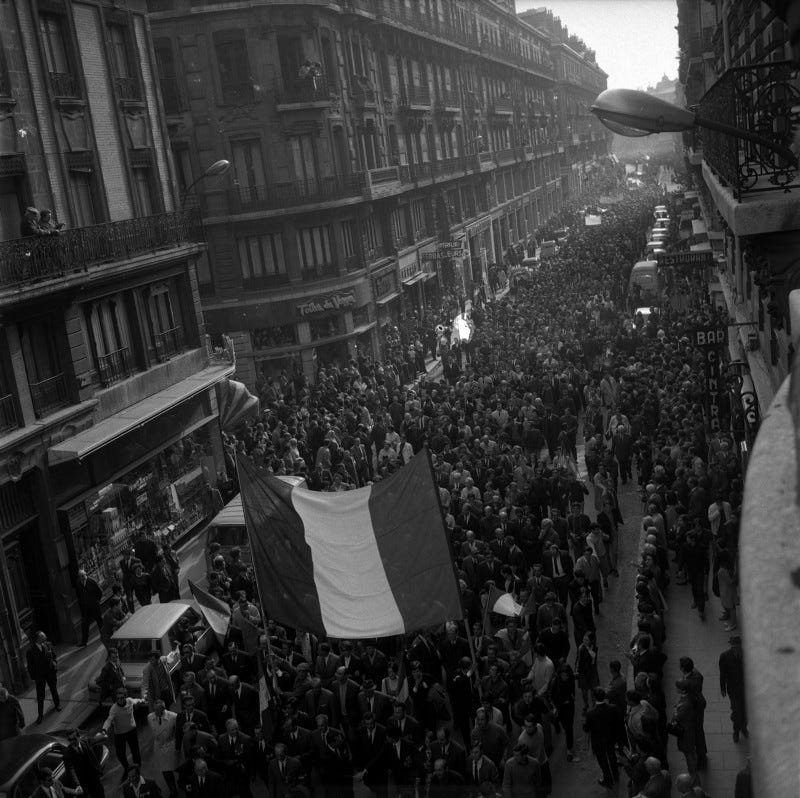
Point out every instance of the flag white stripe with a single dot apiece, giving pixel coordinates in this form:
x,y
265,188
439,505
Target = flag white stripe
x,y
354,591
505,605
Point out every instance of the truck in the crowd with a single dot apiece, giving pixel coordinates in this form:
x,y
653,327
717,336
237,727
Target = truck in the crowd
x,y
644,286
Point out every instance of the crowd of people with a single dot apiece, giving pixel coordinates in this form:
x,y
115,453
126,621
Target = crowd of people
x,y
474,711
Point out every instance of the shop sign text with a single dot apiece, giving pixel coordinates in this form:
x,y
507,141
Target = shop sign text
x,y
341,300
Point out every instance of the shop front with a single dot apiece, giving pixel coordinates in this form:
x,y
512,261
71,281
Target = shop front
x,y
115,488
387,301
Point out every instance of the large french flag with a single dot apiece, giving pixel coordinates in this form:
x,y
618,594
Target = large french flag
x,y
371,562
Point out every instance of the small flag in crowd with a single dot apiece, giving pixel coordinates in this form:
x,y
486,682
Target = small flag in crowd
x,y
216,611
371,562
502,603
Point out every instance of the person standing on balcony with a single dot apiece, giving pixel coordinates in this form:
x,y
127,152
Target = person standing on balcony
x,y
30,226
48,224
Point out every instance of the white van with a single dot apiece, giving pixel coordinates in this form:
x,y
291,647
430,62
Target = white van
x,y
548,249
661,212
645,275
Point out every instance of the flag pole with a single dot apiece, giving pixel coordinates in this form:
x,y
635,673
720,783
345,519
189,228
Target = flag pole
x,y
455,574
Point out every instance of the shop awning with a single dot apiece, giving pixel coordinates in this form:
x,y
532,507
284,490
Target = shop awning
x,y
387,299
364,328
79,446
415,278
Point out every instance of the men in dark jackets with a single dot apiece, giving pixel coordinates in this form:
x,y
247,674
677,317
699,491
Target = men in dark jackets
x,y
126,566
319,700
283,773
558,566
731,684
539,584
408,727
89,595
371,700
454,755
401,757
82,765
462,697
555,640
298,743
371,755
204,783
238,663
480,769
444,781
42,668
522,776
218,700
244,704
189,715
191,660
694,679
374,664
345,701
603,724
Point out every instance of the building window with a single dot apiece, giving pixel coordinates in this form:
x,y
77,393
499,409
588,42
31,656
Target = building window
x,y
419,217
12,204
43,366
83,189
57,55
304,158
262,261
314,245
235,79
163,330
273,337
109,339
122,62
171,89
327,327
371,237
248,167
184,173
143,191
399,224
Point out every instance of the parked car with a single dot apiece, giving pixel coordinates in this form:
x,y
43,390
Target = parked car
x,y
159,627
22,758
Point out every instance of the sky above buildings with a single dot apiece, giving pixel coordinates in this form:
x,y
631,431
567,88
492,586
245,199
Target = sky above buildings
x,y
635,40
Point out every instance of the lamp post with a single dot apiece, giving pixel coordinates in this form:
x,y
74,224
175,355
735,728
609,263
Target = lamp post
x,y
636,113
216,169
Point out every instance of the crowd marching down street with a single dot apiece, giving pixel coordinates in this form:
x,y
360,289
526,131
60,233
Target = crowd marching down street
x,y
562,395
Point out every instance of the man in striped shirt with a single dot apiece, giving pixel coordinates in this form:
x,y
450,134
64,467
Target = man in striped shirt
x,y
120,719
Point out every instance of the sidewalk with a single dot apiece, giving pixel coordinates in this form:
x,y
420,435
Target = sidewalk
x,y
703,641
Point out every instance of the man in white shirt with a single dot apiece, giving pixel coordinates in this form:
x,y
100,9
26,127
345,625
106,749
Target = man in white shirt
x,y
542,670
120,719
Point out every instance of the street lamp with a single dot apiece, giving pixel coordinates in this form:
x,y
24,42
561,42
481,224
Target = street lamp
x,y
636,113
216,169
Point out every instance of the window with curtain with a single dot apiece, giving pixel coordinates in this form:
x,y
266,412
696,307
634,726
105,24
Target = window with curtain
x,y
109,337
261,259
120,50
304,159
233,64
143,190
82,194
314,246
163,330
248,167
54,43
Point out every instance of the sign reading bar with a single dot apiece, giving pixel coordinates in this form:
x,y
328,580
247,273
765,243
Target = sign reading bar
x,y
705,258
324,304
710,337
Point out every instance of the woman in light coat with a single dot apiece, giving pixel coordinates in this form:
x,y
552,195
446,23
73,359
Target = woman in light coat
x,y
162,724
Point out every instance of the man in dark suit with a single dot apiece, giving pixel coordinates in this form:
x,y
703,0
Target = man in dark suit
x,y
603,724
189,715
218,700
480,768
325,664
350,662
731,684
136,786
370,755
374,664
538,584
42,668
371,700
452,753
191,660
89,596
283,773
244,704
126,565
235,753
408,727
558,566
345,702
319,700
401,762
298,743
238,663
204,783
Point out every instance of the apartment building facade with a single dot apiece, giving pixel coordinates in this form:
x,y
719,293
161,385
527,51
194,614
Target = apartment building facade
x,y
735,67
108,409
370,140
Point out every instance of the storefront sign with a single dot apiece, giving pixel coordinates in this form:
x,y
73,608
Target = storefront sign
x,y
479,227
710,337
711,341
705,258
384,284
325,304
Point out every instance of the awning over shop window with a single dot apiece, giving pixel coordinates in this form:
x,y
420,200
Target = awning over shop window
x,y
79,446
236,403
414,279
387,299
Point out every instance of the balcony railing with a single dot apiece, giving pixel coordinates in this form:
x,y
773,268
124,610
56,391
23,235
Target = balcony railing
x,y
298,91
448,98
64,85
506,156
449,166
172,94
414,96
770,111
168,343
296,192
501,105
49,394
396,11
128,88
354,262
8,413
114,366
28,260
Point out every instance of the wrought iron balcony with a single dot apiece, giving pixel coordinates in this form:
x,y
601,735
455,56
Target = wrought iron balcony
x,y
64,85
172,94
449,166
29,260
8,413
501,105
296,192
763,99
168,343
114,366
447,99
303,91
49,394
414,97
354,262
128,88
